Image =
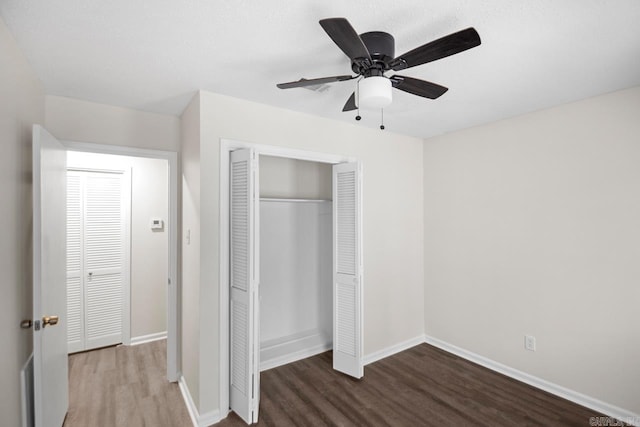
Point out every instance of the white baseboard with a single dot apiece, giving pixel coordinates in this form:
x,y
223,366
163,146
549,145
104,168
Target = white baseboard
x,y
391,350
579,398
288,349
188,400
293,357
209,418
198,420
143,339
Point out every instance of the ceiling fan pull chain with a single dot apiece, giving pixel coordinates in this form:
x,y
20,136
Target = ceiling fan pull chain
x,y
382,119
358,99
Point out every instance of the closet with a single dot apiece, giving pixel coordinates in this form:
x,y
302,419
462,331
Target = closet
x,y
295,279
295,264
96,208
295,260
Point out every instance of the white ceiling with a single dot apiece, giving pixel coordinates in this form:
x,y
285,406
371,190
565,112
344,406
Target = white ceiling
x,y
153,55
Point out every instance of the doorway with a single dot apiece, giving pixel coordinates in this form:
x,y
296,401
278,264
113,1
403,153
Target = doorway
x,y
117,246
50,345
165,228
239,269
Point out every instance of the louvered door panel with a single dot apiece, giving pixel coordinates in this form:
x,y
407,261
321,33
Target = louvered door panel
x,y
75,321
346,319
74,222
346,207
245,348
239,347
240,224
104,258
95,259
75,294
103,222
104,310
347,322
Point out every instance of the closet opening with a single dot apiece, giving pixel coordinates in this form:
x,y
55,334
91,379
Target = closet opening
x,y
296,311
291,282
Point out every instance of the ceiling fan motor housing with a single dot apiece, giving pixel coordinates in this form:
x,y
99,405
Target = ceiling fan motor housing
x,y
381,47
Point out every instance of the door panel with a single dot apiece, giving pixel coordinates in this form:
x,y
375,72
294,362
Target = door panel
x,y
347,292
104,258
51,388
244,307
75,286
104,310
96,216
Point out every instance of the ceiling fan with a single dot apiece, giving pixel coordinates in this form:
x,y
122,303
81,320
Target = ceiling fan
x,y
372,54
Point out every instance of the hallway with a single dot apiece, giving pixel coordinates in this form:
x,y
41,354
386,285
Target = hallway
x,y
124,386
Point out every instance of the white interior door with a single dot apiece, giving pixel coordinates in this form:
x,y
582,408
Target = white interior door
x,y
347,270
96,262
244,279
51,388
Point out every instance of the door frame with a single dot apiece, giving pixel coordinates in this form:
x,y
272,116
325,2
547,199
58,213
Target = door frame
x,y
226,146
173,307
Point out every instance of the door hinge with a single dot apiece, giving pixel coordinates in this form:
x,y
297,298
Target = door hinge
x,y
253,385
36,325
169,280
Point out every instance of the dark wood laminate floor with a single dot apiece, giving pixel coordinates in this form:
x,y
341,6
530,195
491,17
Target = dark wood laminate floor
x,y
124,386
422,386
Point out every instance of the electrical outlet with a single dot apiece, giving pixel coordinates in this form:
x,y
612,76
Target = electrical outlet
x,y
530,342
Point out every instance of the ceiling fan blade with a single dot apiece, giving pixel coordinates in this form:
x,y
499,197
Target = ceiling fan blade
x,y
437,49
418,87
310,82
343,34
351,103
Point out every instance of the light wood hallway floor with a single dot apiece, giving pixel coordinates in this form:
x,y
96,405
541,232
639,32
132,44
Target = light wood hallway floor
x,y
422,386
124,386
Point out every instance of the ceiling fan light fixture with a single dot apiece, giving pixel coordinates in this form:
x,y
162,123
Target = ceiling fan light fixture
x,y
374,92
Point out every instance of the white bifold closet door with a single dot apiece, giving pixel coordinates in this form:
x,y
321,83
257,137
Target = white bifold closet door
x,y
347,270
244,212
244,279
95,259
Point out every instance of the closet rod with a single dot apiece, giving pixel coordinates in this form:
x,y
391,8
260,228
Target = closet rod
x,y
270,199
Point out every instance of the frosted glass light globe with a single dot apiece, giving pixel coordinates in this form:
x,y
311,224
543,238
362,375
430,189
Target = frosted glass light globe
x,y
374,92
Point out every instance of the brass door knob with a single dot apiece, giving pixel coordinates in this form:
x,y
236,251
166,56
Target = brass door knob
x,y
49,320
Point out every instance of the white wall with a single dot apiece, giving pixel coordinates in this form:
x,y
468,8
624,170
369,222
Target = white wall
x,y
393,217
76,120
21,105
149,249
284,178
296,266
532,226
190,249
